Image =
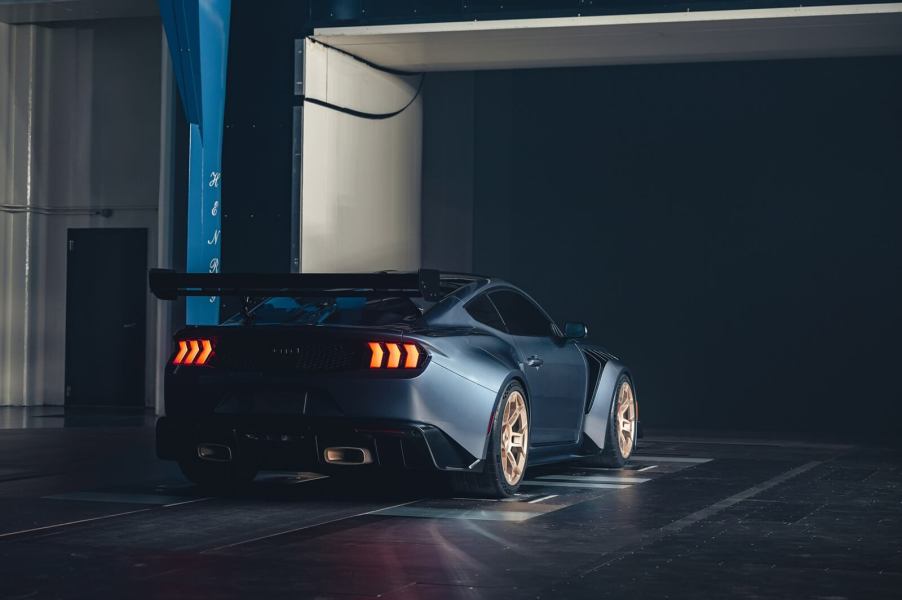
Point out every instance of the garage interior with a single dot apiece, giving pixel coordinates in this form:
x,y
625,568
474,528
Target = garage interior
x,y
713,188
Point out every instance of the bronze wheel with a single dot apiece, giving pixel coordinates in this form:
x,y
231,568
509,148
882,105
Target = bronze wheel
x,y
626,419
623,425
514,438
506,458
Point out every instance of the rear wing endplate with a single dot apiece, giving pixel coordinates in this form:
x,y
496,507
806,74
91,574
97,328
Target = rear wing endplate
x,y
167,284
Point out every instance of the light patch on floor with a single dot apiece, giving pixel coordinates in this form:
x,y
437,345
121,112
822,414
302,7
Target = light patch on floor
x,y
595,478
673,459
574,484
472,514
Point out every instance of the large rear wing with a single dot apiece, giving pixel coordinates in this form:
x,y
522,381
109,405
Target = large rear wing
x,y
169,285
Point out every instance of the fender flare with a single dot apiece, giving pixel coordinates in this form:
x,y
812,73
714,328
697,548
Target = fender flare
x,y
595,425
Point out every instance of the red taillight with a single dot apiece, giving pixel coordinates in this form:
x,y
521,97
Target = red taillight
x,y
376,358
412,360
193,352
411,354
394,356
206,350
183,350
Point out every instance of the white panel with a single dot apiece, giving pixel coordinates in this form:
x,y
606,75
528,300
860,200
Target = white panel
x,y
800,32
360,206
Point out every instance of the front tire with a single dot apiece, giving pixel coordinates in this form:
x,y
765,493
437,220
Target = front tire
x,y
507,456
620,442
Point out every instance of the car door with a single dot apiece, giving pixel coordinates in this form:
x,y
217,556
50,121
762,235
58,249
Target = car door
x,y
554,368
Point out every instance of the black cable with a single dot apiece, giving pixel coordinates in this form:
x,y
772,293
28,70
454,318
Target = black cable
x,y
359,113
365,115
368,63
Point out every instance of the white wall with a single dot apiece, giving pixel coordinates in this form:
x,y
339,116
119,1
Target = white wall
x,y
80,129
360,205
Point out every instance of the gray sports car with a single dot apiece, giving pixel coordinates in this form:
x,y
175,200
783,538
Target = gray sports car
x,y
356,372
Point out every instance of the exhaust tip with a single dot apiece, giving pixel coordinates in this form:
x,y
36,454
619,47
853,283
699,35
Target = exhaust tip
x,y
214,452
344,455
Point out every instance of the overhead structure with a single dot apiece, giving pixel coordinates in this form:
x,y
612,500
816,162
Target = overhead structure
x,y
714,35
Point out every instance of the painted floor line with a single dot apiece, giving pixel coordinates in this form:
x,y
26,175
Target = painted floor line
x,y
573,484
736,498
594,478
648,468
706,512
58,525
480,499
673,459
469,514
187,502
310,526
749,442
542,499
117,498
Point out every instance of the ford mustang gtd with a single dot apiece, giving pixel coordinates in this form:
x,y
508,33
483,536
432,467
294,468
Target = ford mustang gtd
x,y
356,372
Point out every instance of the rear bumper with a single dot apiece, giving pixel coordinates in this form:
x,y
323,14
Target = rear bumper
x,y
293,442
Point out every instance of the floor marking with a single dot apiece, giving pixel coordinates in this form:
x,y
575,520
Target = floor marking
x,y
480,499
471,514
549,497
702,514
673,459
58,525
715,508
187,502
648,468
598,486
120,498
750,442
595,478
290,478
310,526
308,480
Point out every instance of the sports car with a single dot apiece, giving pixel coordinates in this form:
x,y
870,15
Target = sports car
x,y
351,373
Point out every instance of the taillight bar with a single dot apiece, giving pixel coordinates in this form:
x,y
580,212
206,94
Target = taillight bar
x,y
391,355
193,352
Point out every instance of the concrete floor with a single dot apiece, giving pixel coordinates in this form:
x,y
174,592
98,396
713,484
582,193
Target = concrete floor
x,y
86,511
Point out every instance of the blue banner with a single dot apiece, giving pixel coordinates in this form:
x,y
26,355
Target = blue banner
x,y
198,35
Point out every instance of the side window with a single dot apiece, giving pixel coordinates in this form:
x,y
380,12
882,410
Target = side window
x,y
521,315
482,309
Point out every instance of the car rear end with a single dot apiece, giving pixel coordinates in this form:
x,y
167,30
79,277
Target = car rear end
x,y
276,394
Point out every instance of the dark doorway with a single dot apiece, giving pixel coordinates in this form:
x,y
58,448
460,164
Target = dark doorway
x,y
106,299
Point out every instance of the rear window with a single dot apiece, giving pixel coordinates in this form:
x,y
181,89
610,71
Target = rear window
x,y
482,309
335,310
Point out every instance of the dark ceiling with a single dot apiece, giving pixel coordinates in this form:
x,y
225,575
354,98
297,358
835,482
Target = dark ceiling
x,y
31,11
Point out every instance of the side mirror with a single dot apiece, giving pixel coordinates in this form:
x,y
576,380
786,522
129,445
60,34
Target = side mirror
x,y
575,331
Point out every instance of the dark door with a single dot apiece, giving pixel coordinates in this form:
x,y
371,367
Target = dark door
x,y
106,299
555,370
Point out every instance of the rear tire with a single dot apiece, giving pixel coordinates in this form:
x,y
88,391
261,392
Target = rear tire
x,y
506,458
217,476
623,422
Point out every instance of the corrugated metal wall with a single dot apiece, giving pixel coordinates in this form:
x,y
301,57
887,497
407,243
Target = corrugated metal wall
x,y
79,131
